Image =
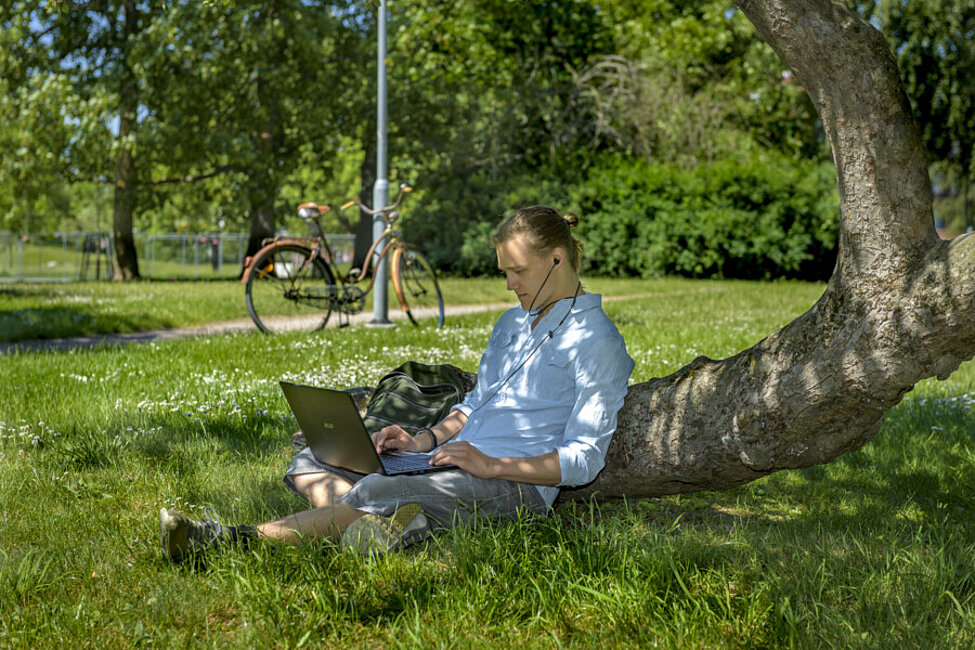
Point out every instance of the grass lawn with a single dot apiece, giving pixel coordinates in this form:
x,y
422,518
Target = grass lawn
x,y
874,550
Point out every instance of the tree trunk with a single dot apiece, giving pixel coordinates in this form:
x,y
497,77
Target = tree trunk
x,y
263,179
126,260
367,174
262,225
899,307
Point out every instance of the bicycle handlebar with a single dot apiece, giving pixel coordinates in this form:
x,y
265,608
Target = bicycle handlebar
x,y
403,189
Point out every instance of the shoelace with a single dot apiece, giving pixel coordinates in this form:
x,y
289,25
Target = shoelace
x,y
213,526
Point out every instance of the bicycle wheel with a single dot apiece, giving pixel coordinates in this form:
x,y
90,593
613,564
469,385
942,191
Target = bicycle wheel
x,y
287,291
418,289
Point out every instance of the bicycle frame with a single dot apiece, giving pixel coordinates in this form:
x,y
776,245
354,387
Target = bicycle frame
x,y
321,249
269,244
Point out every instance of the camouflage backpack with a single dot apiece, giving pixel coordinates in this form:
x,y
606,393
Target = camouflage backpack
x,y
415,395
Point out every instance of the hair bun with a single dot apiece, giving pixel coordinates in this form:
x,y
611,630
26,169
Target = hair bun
x,y
570,219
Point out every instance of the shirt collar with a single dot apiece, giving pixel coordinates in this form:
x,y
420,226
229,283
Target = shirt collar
x,y
560,310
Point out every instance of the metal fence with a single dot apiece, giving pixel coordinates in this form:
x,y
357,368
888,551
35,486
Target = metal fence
x,y
67,256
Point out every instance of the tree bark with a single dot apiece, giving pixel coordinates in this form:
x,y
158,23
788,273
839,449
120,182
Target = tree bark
x,y
367,175
126,260
263,178
899,307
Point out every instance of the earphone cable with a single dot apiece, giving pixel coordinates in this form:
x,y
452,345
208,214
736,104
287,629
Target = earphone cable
x,y
551,334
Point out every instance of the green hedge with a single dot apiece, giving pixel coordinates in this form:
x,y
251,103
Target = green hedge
x,y
454,221
762,216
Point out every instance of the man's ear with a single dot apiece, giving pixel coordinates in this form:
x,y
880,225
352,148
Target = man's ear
x,y
558,255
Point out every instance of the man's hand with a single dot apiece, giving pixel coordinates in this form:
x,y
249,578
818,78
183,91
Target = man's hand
x,y
395,438
467,457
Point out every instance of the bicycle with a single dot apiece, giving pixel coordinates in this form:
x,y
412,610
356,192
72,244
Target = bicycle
x,y
296,284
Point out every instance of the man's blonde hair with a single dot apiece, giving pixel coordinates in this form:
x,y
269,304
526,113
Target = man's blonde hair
x,y
545,229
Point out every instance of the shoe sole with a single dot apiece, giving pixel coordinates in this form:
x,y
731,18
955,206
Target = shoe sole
x,y
168,527
373,535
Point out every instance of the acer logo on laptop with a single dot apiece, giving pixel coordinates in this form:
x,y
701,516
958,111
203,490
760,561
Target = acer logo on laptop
x,y
328,425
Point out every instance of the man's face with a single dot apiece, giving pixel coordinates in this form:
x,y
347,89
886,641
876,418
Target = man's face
x,y
525,271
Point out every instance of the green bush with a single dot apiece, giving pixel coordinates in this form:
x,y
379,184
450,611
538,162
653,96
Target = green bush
x,y
459,213
454,220
762,217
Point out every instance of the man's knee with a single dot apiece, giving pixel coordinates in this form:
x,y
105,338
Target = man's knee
x,y
321,488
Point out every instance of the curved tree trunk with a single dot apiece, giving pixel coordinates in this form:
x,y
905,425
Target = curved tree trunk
x,y
900,305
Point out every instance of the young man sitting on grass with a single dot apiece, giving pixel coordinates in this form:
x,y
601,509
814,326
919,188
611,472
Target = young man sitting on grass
x,y
550,384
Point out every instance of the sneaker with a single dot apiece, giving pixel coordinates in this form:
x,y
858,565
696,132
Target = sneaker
x,y
182,537
374,535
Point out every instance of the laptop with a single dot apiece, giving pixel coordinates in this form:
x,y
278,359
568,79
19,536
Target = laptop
x,y
336,434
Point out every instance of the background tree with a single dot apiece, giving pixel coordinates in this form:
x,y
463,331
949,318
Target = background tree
x,y
714,163
668,125
484,101
571,103
80,56
272,94
233,96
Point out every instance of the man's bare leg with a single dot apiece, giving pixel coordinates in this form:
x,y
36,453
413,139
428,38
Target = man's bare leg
x,y
321,488
327,518
182,537
326,521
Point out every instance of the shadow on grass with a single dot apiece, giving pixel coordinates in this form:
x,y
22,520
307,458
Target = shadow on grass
x,y
876,483
63,322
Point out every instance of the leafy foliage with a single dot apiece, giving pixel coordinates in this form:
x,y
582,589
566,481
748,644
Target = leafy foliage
x,y
242,109
652,86
762,216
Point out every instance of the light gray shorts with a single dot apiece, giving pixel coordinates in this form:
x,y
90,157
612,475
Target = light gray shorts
x,y
448,498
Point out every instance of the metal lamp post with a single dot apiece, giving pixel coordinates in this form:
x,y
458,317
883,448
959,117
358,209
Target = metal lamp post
x,y
380,192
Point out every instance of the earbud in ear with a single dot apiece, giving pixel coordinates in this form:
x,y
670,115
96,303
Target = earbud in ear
x,y
556,261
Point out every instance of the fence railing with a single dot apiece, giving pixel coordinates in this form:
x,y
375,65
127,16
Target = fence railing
x,y
66,256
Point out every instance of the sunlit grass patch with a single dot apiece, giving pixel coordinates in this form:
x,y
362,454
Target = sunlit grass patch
x,y
872,550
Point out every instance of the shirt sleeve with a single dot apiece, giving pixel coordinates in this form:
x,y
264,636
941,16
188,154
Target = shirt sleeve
x,y
602,372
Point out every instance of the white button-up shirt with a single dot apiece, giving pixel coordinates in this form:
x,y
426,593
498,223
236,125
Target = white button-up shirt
x,y
557,387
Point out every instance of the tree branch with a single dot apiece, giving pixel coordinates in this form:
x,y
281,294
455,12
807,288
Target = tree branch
x,y
851,77
900,305
192,179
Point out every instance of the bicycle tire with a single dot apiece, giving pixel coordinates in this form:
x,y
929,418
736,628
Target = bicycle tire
x,y
286,293
418,290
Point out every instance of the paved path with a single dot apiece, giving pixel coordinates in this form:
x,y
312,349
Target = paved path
x,y
240,325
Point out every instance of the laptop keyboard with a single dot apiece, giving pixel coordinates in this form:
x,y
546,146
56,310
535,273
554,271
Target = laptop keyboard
x,y
395,463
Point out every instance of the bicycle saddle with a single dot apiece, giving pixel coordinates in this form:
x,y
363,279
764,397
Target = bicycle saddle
x,y
322,209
